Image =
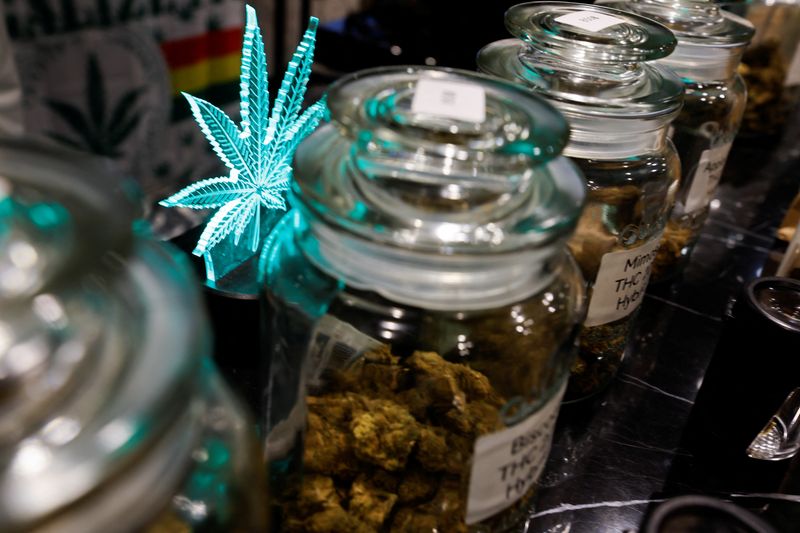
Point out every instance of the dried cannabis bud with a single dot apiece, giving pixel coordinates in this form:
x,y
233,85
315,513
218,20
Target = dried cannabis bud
x,y
673,249
393,454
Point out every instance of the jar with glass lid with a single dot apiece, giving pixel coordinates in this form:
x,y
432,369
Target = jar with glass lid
x,y
711,42
111,415
595,65
424,300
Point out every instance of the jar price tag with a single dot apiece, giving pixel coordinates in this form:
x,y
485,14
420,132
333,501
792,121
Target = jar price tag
x,y
506,464
706,177
620,284
589,20
447,99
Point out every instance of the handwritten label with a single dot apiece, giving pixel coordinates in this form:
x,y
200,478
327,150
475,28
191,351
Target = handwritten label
x,y
620,284
706,177
506,464
589,20
460,101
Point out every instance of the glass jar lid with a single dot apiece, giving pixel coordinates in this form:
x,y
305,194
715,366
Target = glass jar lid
x,y
700,22
589,60
441,160
438,188
710,40
98,346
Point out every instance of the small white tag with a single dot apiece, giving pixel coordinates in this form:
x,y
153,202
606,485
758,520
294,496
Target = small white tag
x,y
506,464
706,177
589,20
620,284
448,99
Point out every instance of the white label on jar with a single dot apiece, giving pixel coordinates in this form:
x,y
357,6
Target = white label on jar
x,y
506,464
706,177
589,20
793,74
460,101
335,344
620,284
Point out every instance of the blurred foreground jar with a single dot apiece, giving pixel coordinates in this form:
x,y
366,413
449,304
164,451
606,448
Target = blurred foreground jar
x,y
592,64
710,46
424,298
111,415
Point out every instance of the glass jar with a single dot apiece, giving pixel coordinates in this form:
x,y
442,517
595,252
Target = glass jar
x,y
770,64
112,417
593,64
424,301
710,46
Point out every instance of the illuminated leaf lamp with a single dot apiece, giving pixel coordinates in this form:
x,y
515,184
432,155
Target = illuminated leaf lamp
x,y
252,197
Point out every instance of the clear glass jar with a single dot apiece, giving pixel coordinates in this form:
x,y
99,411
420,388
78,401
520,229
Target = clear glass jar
x,y
710,46
593,64
112,418
424,300
770,64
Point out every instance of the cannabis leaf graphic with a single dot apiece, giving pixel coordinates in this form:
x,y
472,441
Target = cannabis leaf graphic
x,y
258,154
97,132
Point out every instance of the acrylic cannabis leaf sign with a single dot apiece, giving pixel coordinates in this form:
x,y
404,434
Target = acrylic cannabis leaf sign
x,y
258,152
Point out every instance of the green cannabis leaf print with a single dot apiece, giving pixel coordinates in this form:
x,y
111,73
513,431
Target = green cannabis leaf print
x,y
94,129
259,151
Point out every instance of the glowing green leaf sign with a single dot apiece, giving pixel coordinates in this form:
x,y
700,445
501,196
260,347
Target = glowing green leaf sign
x,y
258,154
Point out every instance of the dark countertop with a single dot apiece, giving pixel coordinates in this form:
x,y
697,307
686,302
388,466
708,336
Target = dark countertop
x,y
617,456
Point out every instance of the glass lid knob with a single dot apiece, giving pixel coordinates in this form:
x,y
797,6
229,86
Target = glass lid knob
x,y
382,107
439,160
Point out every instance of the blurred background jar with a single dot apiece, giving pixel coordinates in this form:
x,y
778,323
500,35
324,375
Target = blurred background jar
x,y
710,45
423,296
770,65
595,65
113,418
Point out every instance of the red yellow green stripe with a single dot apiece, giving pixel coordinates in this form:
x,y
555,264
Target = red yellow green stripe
x,y
201,61
197,77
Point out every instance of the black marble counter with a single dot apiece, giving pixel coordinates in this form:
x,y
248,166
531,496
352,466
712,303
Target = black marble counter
x,y
618,456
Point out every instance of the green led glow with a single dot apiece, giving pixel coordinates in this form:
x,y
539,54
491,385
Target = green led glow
x,y
258,153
